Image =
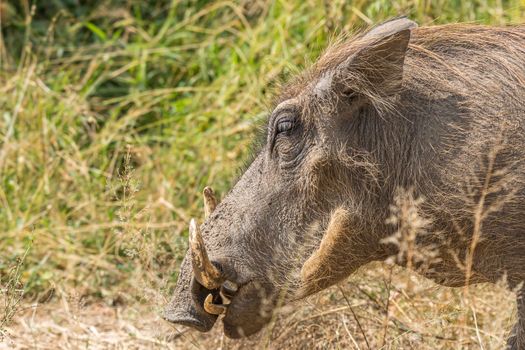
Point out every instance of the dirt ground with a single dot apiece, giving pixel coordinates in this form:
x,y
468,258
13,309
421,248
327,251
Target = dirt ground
x,y
379,308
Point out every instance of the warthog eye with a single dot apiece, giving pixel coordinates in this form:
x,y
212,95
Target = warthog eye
x,y
284,126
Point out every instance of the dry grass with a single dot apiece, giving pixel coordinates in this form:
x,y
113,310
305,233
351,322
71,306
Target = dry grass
x,y
396,309
11,294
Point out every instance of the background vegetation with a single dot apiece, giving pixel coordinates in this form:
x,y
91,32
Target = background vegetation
x,y
114,114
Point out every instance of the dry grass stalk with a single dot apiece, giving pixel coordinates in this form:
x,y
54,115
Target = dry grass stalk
x,y
11,294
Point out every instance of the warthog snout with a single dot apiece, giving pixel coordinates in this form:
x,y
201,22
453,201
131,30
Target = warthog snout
x,y
207,274
215,288
187,308
194,306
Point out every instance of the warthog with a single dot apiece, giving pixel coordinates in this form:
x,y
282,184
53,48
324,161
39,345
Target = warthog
x,y
437,111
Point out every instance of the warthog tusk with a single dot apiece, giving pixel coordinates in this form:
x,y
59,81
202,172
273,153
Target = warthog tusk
x,y
227,291
225,299
210,202
212,308
205,272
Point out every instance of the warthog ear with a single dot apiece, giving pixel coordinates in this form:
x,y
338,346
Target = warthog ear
x,y
376,68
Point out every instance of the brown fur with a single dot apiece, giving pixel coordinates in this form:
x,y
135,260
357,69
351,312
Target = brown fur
x,y
438,110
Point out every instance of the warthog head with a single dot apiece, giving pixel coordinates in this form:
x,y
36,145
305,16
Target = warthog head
x,y
261,246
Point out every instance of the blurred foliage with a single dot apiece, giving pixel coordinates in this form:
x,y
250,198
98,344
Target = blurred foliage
x,y
115,114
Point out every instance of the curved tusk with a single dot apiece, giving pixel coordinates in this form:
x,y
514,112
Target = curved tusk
x,y
205,272
212,308
227,291
225,299
210,202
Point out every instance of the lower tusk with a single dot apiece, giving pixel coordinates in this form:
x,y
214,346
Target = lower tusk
x,y
228,289
225,299
212,308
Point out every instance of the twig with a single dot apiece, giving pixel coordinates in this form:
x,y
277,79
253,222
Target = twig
x,y
477,328
355,317
349,333
387,307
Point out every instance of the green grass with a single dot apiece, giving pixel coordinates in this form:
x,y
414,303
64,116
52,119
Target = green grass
x,y
114,116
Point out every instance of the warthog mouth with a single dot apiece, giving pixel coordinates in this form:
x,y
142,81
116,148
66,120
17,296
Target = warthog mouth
x,y
216,290
240,305
217,302
221,287
247,312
